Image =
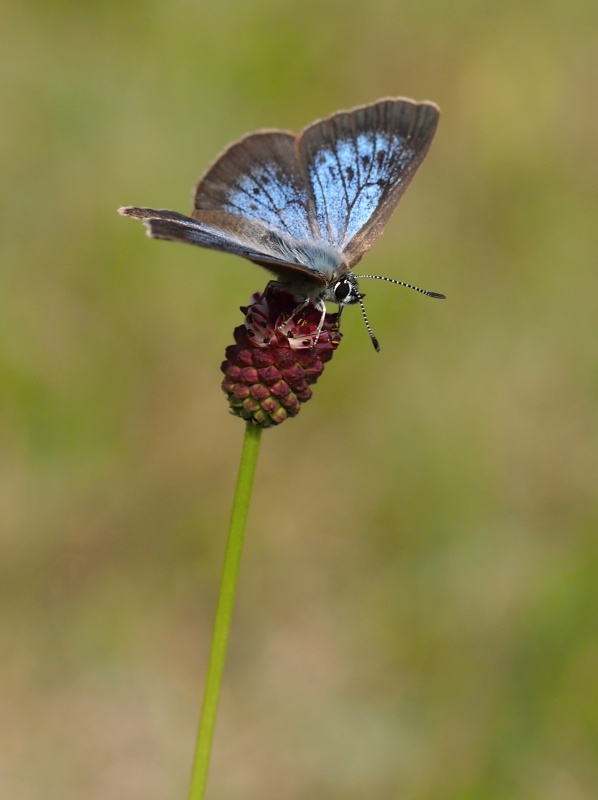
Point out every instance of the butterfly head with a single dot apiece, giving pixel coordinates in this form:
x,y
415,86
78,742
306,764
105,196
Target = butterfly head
x,y
344,291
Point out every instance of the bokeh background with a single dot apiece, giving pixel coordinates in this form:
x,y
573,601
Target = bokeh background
x,y
417,615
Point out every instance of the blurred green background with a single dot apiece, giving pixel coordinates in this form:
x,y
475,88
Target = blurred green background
x,y
417,615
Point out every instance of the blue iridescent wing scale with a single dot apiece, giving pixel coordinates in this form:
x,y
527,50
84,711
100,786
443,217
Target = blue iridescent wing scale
x,y
359,163
259,178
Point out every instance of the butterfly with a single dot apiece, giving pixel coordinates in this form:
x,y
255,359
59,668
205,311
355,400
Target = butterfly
x,y
308,206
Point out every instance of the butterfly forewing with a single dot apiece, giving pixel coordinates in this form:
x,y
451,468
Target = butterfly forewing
x,y
259,178
358,165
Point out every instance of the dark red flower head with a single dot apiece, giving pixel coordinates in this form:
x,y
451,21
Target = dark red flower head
x,y
279,352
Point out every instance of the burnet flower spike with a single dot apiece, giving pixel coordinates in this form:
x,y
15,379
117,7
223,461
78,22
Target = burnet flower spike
x,y
278,353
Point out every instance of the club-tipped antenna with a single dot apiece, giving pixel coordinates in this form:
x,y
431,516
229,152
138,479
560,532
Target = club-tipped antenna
x,y
436,295
367,323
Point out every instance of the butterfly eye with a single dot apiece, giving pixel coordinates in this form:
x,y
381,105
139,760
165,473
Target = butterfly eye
x,y
342,289
345,292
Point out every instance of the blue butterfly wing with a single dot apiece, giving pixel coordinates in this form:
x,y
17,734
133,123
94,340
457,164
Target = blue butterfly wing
x,y
259,181
358,164
259,178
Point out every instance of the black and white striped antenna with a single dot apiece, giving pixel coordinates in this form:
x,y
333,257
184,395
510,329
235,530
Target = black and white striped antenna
x,y
436,295
367,323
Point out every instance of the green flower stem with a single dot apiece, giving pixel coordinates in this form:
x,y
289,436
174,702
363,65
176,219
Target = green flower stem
x,y
224,610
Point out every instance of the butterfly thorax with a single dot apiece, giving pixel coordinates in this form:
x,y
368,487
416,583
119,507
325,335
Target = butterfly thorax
x,y
311,271
315,258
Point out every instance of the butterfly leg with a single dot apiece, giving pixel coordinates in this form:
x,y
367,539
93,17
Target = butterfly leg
x,y
321,322
283,287
286,317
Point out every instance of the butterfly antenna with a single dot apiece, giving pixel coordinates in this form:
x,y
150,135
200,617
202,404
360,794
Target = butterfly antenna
x,y
437,295
367,323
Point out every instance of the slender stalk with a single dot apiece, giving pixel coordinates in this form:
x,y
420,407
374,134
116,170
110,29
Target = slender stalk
x,y
224,610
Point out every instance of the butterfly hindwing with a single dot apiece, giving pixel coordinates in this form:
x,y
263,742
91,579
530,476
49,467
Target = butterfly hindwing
x,y
231,234
359,163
